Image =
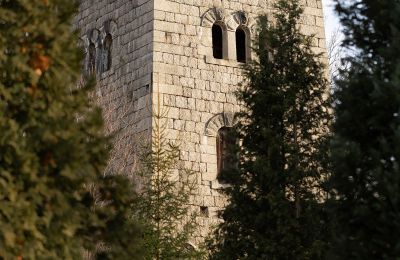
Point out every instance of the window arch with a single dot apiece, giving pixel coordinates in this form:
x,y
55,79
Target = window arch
x,y
226,140
218,41
241,45
107,52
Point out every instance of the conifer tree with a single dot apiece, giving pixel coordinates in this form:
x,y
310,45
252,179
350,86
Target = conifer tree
x,y
164,206
52,146
365,182
274,210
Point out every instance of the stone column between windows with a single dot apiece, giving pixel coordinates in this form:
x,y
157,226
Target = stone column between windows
x,y
231,40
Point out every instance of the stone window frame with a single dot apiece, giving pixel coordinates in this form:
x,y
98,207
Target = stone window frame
x,y
214,16
213,125
223,119
224,142
230,23
107,59
93,43
247,44
224,39
107,53
82,43
98,58
240,21
92,53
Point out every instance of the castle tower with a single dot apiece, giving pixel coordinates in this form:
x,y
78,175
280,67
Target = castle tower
x,y
189,54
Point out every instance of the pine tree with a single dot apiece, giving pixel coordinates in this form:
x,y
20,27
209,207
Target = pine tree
x,y
52,146
365,182
274,210
164,207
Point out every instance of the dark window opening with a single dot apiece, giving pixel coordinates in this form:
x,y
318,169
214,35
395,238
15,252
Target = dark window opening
x,y
204,211
226,154
241,45
217,41
107,52
92,58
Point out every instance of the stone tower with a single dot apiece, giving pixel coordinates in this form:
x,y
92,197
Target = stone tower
x,y
187,54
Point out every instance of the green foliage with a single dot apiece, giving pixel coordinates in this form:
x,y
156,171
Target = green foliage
x,y
52,146
275,193
164,203
365,183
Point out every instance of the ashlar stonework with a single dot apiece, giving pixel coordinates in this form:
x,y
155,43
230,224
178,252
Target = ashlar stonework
x,y
150,51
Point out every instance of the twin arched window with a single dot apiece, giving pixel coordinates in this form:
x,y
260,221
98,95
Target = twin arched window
x,y
219,40
100,59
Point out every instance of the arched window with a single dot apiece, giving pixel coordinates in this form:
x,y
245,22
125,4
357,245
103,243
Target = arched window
x,y
92,58
225,148
241,45
107,48
217,41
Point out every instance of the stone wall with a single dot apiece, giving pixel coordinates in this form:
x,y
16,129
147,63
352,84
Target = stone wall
x,y
198,89
124,91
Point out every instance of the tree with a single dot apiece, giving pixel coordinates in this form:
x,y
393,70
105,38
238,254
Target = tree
x,y
365,182
52,146
274,209
336,54
164,202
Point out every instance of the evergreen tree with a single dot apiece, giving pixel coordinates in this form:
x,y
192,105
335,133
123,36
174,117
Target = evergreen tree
x,y
274,210
52,146
164,207
365,182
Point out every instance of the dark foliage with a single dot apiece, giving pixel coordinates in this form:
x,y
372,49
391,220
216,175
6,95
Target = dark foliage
x,y
275,193
52,146
365,183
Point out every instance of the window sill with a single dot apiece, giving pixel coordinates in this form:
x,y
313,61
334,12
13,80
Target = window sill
x,y
105,74
223,62
216,185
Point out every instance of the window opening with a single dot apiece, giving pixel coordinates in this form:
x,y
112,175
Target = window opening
x,y
217,41
107,58
92,58
225,145
204,211
241,45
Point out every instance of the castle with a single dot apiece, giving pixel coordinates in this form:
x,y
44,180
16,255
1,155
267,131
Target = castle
x,y
186,55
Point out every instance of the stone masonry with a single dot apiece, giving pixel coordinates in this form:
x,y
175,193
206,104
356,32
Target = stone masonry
x,y
162,50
